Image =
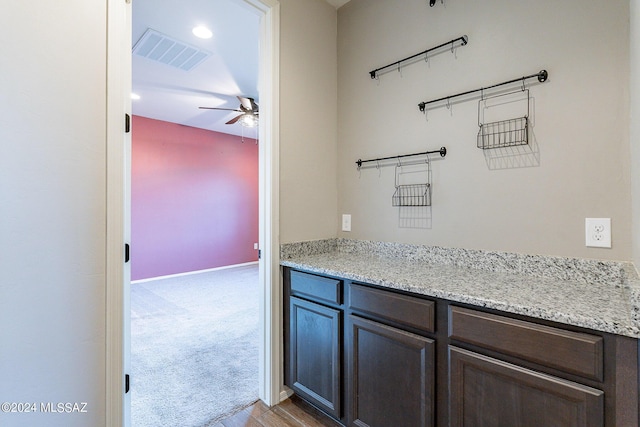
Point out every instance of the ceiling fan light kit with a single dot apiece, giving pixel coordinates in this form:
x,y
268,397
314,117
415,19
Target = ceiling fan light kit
x,y
249,121
248,110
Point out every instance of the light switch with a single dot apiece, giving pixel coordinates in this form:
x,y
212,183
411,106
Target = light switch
x,y
346,222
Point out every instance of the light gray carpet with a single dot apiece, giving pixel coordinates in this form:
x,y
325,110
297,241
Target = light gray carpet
x,y
194,347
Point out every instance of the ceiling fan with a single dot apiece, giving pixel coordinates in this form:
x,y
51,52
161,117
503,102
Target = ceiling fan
x,y
248,109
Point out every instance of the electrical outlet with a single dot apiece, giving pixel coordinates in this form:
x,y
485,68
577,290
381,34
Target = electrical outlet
x,y
346,222
598,232
255,246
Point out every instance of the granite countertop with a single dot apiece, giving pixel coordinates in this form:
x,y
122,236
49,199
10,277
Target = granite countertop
x,y
593,294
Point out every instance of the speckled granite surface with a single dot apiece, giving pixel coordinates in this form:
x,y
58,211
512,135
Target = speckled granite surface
x,y
599,295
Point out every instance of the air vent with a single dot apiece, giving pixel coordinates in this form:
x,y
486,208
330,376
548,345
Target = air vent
x,y
162,48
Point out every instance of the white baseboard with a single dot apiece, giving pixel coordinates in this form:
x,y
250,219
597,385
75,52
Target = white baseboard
x,y
188,273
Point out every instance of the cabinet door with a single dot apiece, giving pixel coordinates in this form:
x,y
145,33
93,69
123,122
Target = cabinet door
x,y
390,375
315,355
486,392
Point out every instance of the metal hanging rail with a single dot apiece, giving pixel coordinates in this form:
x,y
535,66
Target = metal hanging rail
x,y
542,76
463,41
442,151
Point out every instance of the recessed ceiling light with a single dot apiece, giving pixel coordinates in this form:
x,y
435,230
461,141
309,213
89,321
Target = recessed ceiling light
x,y
202,32
135,96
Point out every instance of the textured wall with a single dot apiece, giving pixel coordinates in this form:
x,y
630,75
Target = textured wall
x,y
194,199
531,202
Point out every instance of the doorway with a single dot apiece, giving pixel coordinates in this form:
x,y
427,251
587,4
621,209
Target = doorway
x,y
194,208
118,155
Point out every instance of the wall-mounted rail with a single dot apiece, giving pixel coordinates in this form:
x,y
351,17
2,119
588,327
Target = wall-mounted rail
x,y
542,76
442,151
460,41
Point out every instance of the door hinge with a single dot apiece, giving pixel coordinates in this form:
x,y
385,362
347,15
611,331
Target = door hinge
x,y
126,384
259,253
126,253
127,123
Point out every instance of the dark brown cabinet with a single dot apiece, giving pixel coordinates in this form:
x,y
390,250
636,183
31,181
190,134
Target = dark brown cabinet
x,y
486,392
390,358
313,340
373,357
517,372
572,352
316,354
391,375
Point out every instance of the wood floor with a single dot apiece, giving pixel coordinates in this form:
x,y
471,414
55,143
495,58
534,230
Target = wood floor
x,y
293,412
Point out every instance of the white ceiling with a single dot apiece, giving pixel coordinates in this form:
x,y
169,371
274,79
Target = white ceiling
x,y
174,95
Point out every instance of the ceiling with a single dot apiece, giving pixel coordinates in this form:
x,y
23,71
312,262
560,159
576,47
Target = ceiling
x,y
173,94
337,3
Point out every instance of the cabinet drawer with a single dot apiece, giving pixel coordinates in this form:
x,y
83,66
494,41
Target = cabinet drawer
x,y
316,287
404,309
572,352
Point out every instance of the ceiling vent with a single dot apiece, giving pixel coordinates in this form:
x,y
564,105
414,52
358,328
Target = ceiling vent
x,y
162,48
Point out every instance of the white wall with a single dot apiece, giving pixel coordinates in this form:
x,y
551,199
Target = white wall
x,y
308,120
580,122
634,135
52,208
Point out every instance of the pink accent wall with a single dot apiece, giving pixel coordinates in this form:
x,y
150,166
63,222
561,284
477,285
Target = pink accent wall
x,y
194,199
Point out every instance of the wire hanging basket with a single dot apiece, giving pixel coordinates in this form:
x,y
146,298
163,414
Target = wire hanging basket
x,y
413,193
503,133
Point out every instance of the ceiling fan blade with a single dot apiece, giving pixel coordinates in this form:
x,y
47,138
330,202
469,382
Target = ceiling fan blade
x,y
223,109
247,103
235,119
254,106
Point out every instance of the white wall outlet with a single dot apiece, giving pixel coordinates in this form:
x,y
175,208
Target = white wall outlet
x,y
598,232
346,222
255,246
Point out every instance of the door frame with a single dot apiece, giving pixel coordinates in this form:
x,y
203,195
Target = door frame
x,y
118,154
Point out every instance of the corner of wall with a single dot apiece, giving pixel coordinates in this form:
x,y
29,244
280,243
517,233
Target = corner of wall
x,y
634,131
